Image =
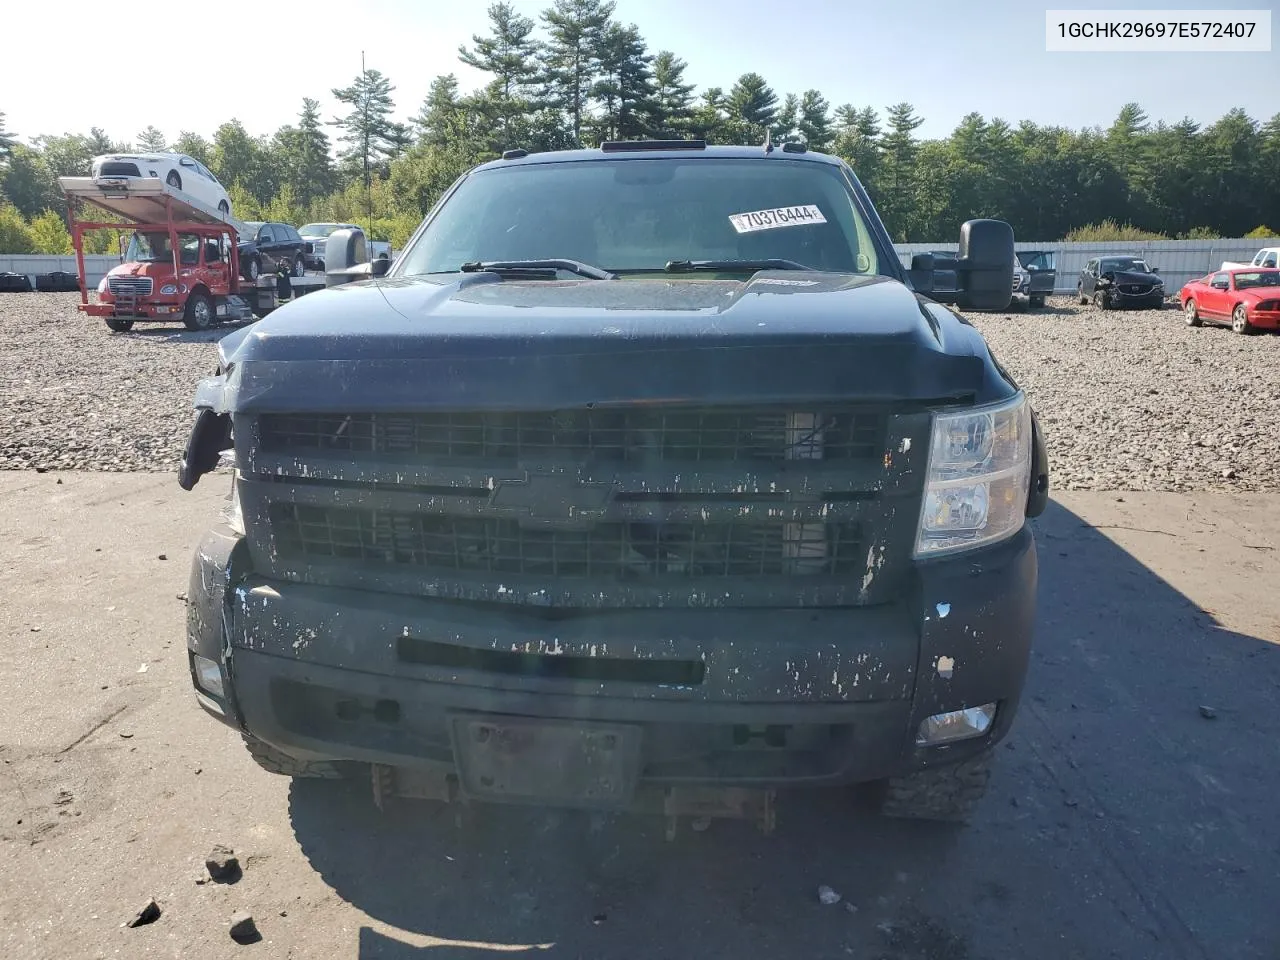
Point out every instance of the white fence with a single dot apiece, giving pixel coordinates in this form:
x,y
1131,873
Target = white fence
x,y
95,265
1177,260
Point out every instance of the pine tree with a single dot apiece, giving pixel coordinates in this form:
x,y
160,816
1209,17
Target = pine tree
x,y
625,87
437,120
900,149
303,161
708,121
752,106
151,140
672,96
368,129
509,52
815,121
7,139
784,124
576,29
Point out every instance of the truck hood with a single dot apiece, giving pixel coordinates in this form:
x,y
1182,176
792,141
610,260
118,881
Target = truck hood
x,y
160,268
474,341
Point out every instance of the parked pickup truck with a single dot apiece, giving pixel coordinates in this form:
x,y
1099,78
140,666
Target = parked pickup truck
x,y
742,511
1266,257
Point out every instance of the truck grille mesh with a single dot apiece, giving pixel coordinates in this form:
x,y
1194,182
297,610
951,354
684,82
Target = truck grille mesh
x,y
629,435
133,286
611,550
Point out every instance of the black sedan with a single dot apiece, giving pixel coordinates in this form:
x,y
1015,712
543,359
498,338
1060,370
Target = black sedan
x,y
1115,282
267,246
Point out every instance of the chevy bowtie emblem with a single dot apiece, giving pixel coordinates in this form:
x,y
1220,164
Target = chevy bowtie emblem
x,y
554,498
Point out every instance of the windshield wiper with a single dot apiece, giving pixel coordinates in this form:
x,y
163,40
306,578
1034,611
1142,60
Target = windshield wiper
x,y
732,266
523,266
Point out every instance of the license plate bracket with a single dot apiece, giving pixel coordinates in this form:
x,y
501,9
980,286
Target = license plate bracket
x,y
504,759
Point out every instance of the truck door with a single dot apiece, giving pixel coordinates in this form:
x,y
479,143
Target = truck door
x,y
217,265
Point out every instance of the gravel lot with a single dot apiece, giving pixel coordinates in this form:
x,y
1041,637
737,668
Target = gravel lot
x,y
1129,401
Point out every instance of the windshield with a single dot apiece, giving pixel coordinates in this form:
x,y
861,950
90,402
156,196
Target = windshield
x,y
153,247
1260,279
318,229
1125,265
636,215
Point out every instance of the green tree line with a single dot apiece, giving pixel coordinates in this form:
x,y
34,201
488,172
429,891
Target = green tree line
x,y
576,76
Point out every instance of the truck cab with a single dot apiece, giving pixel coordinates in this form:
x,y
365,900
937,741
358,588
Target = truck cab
x,y
157,281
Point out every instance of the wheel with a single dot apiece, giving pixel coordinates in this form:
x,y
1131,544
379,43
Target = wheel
x,y
1037,300
120,324
271,759
1240,320
939,793
1080,293
1101,300
173,179
199,313
1191,313
224,208
252,268
299,267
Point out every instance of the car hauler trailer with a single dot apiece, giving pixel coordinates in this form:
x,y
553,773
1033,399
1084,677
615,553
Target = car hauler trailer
x,y
182,262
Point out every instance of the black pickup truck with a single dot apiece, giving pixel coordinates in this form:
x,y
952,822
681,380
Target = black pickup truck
x,y
646,479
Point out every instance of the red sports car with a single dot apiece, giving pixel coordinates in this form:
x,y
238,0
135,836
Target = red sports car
x,y
1247,298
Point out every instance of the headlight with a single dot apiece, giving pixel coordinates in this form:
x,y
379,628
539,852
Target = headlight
x,y
232,513
169,289
102,285
979,472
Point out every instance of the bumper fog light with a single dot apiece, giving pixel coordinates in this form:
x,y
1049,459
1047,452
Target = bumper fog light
x,y
955,725
208,675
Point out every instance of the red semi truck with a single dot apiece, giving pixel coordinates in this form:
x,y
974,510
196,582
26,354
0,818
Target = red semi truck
x,y
181,262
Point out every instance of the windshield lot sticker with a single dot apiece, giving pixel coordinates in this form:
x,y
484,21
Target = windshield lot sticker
x,y
775,218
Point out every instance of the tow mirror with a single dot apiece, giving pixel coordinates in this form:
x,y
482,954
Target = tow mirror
x,y
986,249
346,257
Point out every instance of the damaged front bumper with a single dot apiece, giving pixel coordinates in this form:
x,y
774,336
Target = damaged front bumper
x,y
686,698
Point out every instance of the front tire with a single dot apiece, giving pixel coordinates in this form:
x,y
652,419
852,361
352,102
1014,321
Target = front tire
x,y
1080,293
199,313
947,793
299,267
1240,320
1101,300
272,760
174,180
1037,300
120,324
1191,313
252,269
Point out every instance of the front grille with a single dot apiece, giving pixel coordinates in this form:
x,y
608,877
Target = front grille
x,y
132,286
1136,288
629,435
609,550
118,169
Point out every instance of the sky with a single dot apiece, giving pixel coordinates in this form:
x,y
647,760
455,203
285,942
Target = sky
x,y
947,59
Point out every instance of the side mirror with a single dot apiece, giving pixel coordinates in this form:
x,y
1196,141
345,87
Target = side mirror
x,y
346,257
982,264
380,266
934,276
1155,269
